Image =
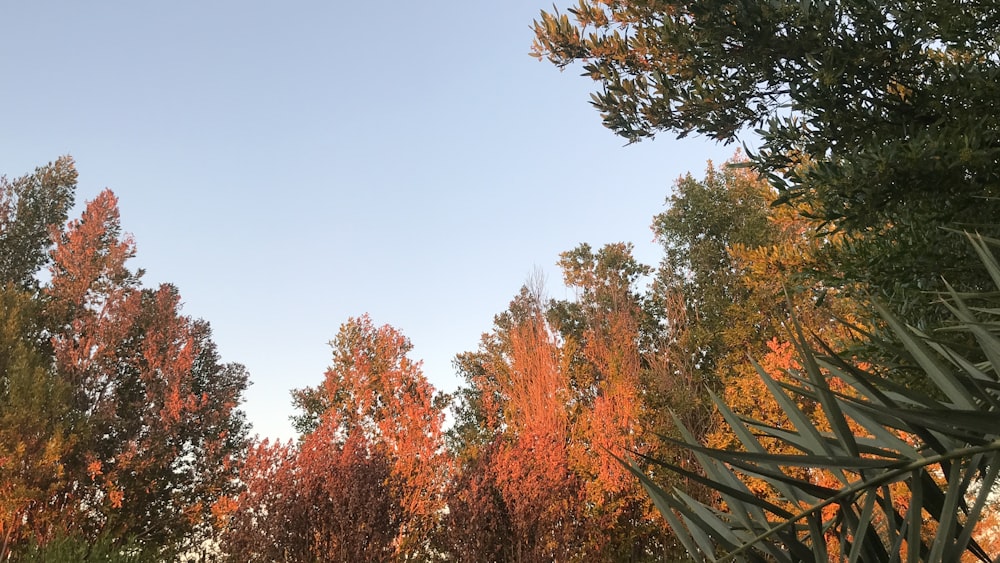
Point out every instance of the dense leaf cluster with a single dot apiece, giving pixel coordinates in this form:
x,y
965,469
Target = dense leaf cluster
x,y
879,118
879,121
118,420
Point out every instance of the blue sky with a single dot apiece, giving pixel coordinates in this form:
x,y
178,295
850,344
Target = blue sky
x,y
291,164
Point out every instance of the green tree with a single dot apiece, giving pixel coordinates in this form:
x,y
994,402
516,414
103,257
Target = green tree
x,y
878,118
704,221
36,426
31,208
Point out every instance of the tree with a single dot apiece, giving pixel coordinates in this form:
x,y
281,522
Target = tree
x,y
134,431
704,222
478,525
327,499
31,207
520,463
174,439
552,390
374,407
119,423
734,270
878,118
36,425
162,429
907,473
610,338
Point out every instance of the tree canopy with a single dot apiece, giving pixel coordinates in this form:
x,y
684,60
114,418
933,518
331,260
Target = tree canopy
x,y
118,418
879,119
744,388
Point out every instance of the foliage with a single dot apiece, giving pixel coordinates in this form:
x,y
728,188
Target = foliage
x,y
893,472
159,429
30,208
366,481
320,501
523,465
36,423
104,549
878,118
117,417
557,385
729,260
705,221
552,389
478,524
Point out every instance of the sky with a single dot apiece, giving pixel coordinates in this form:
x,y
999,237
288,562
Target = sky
x,y
288,165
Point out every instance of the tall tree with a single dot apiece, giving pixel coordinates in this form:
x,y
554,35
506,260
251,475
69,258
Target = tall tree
x,y
175,436
158,430
524,466
722,315
737,263
555,389
374,407
609,334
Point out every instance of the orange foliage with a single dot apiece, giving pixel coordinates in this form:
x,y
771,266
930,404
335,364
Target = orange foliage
x,y
558,406
987,532
613,419
537,387
383,393
366,482
531,466
148,404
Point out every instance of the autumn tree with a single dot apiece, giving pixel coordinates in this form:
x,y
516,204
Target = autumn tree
x,y
366,480
555,390
118,418
374,388
314,501
878,118
37,423
478,525
610,333
161,432
518,463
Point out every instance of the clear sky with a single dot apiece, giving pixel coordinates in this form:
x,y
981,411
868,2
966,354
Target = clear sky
x,y
291,164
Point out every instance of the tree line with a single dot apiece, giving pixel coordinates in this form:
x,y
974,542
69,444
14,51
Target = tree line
x,y
809,373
